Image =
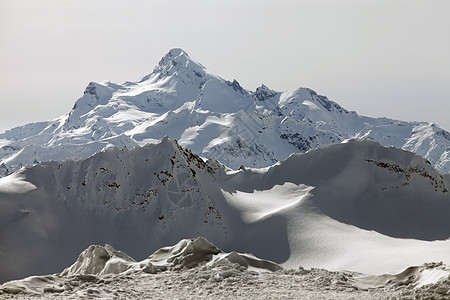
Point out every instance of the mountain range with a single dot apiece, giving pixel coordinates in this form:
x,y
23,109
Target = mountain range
x,y
214,117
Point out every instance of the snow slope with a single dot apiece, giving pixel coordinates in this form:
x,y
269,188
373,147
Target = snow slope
x,y
353,206
214,117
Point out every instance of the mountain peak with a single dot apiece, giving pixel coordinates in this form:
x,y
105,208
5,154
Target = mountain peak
x,y
178,62
263,92
174,55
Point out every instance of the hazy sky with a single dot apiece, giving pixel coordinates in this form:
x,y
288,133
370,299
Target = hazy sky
x,y
377,57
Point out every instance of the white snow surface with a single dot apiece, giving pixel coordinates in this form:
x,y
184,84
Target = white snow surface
x,y
15,183
354,206
214,117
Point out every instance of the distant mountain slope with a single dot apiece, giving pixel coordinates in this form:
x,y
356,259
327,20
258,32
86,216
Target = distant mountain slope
x,y
214,117
355,205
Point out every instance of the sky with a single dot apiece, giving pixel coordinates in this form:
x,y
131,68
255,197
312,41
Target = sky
x,y
377,57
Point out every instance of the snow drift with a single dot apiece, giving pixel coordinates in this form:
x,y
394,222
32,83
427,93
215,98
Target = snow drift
x,y
354,206
187,253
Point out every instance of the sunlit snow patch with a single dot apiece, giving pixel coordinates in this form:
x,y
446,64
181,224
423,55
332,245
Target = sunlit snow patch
x,y
15,183
430,276
260,204
416,277
4,142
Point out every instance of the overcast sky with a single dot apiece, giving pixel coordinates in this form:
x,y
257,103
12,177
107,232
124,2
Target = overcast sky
x,y
377,57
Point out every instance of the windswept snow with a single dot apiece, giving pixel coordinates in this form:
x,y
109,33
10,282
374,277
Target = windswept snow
x,y
257,205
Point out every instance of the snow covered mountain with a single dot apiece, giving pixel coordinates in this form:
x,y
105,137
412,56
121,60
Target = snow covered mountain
x,y
214,117
351,206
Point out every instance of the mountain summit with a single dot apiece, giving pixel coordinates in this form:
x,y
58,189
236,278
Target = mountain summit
x,y
177,61
214,117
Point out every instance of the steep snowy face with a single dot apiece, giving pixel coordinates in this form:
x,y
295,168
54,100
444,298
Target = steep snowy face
x,y
310,210
214,117
94,95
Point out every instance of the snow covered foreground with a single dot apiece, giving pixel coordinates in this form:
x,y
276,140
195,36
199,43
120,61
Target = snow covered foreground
x,y
355,206
197,269
214,117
